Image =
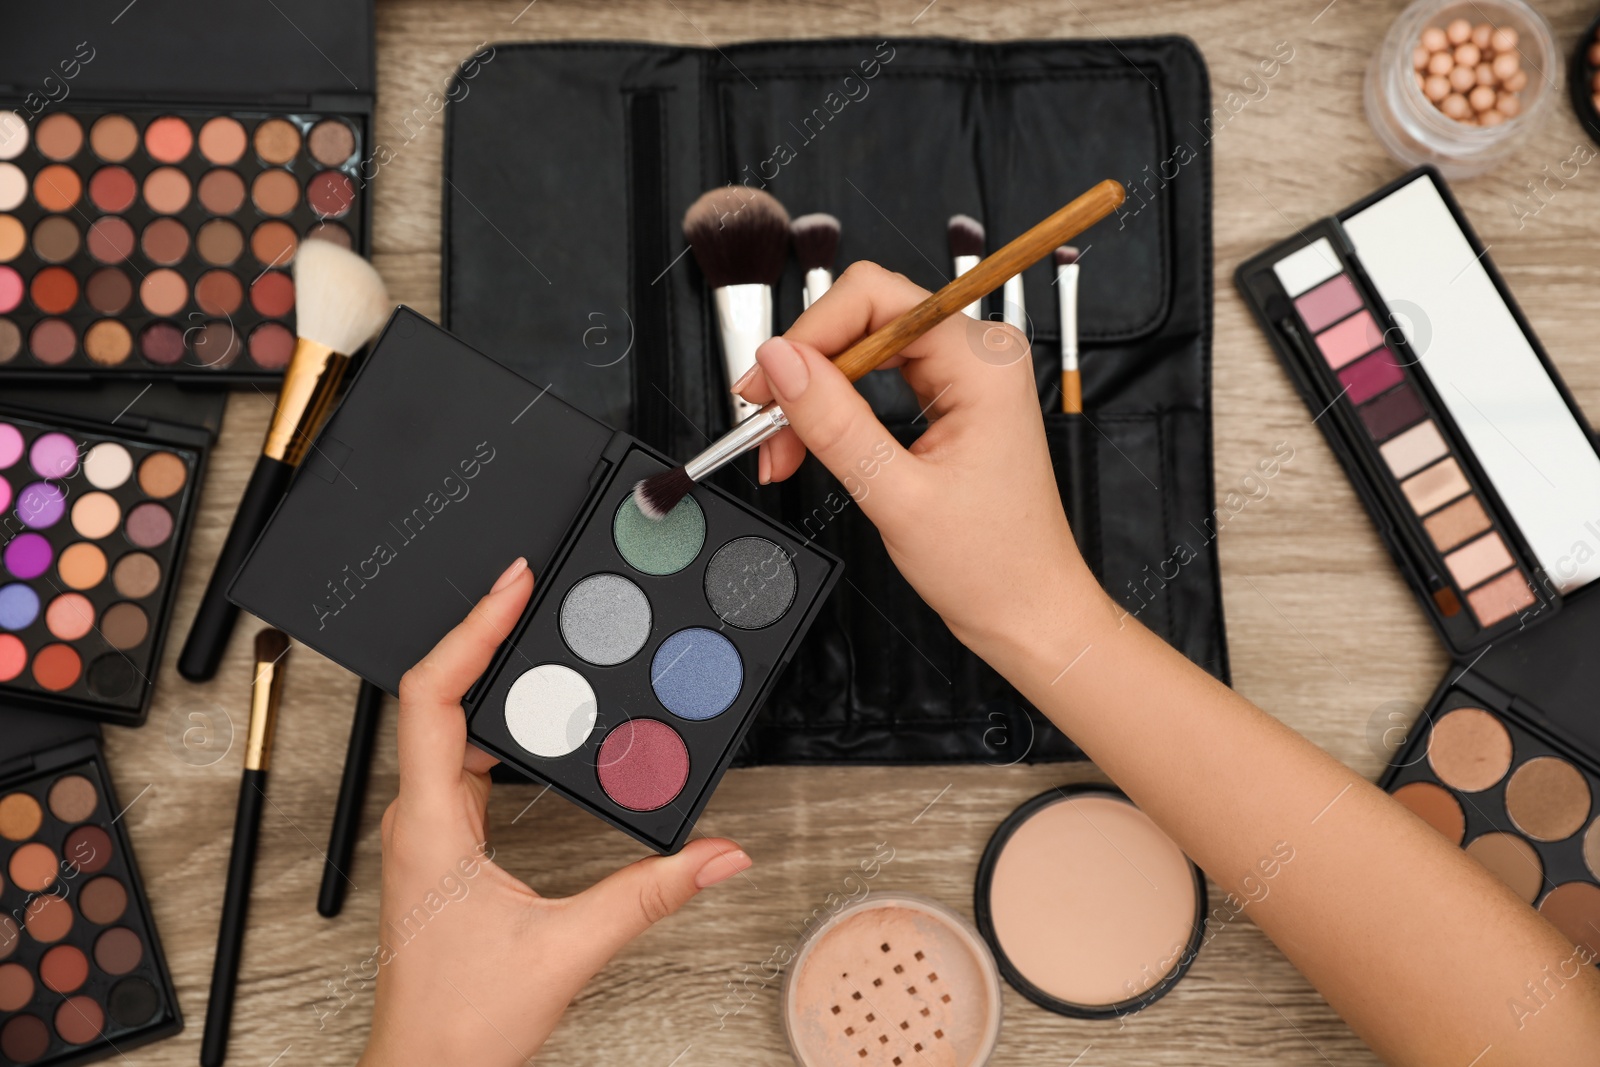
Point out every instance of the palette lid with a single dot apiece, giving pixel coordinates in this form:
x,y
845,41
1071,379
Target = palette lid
x,y
29,733
280,52
439,468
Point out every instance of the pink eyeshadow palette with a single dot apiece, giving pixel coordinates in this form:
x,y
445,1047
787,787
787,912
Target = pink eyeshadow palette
x,y
93,524
82,976
158,243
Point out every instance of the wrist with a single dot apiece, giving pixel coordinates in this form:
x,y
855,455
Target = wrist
x,y
1045,627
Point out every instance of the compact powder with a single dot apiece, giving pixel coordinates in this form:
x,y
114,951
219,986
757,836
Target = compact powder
x,y
551,710
73,798
1435,806
894,979
1512,860
1469,749
1091,909
750,583
605,619
664,546
696,673
1574,909
1548,799
643,764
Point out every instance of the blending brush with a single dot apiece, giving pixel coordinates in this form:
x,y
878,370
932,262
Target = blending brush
x,y
659,494
966,237
1066,258
816,245
340,302
740,238
272,650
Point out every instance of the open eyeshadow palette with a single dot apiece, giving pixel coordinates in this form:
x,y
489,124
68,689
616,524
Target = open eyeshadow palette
x,y
149,214
648,647
82,976
94,521
1516,796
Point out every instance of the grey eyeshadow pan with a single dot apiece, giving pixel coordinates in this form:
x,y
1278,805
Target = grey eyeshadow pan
x,y
605,619
750,583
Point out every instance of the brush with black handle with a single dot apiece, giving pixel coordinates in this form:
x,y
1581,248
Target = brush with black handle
x,y
340,302
272,649
659,494
352,797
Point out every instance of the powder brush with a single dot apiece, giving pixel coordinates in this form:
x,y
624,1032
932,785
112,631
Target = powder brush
x,y
660,493
339,303
740,238
966,236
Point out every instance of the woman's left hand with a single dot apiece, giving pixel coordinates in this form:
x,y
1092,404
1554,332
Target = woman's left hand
x,y
474,966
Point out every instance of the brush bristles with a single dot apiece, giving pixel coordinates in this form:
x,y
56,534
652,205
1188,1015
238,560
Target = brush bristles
x,y
271,645
816,241
966,236
658,494
1066,255
340,301
740,236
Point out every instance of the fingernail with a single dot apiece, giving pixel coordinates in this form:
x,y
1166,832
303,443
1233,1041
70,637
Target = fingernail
x,y
764,465
786,368
510,575
744,379
721,868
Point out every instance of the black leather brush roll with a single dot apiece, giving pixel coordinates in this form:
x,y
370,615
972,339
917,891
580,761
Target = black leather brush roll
x,y
569,167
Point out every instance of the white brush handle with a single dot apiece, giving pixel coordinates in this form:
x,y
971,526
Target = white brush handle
x,y
962,265
1014,309
744,314
818,281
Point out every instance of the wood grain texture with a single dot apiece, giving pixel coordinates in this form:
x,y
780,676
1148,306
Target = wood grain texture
x,y
1323,632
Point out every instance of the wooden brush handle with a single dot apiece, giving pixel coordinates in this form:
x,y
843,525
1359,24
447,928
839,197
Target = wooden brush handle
x,y
891,339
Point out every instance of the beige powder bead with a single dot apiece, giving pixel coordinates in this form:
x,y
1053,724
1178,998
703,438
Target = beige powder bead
x,y
1455,105
1481,98
1462,79
1458,31
1467,55
1436,88
1441,63
1516,83
1491,118
1419,58
1485,75
1482,34
1508,105
1506,64
1434,40
1503,39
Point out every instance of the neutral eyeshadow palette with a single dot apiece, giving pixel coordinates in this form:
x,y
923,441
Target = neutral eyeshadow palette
x,y
82,976
94,521
1519,798
648,647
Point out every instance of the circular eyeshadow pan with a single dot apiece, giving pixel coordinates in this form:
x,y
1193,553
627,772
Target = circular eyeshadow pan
x,y
218,292
118,950
14,135
111,676
277,141
107,465
168,139
103,900
275,192
54,290
41,505
167,190
659,547
13,238
114,138
24,1038
111,240
219,242
271,346
149,525
16,986
1591,848
272,294
162,474
13,658
274,243
696,674
63,969
10,340
124,626
56,239
750,583
605,619
165,241
113,189
13,186
164,292
96,515
1548,799
28,555
9,933
53,455
73,798
20,816
1512,860
11,445
331,232
136,575
57,667
69,616
19,606
643,765
331,142
57,187
133,1002
216,344
81,566
331,194
88,848
80,1020
1469,749
223,140
161,343
551,710
11,289
59,137
109,291
221,192
33,870
52,341
1574,909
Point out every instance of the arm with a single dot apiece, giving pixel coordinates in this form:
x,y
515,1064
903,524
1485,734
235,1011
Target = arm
x,y
1418,947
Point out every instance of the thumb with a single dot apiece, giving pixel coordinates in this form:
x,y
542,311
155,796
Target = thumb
x,y
626,904
834,421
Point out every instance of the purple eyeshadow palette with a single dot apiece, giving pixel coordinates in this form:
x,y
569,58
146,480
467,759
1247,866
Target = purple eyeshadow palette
x,y
648,647
94,521
82,976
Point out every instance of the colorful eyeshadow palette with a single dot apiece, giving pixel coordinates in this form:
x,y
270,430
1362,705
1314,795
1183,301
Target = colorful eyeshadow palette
x,y
95,522
1457,433
1518,799
648,647
157,243
82,976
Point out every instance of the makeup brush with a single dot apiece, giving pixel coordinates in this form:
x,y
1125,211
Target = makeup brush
x,y
740,238
340,302
1066,258
659,494
352,797
965,234
816,244
272,648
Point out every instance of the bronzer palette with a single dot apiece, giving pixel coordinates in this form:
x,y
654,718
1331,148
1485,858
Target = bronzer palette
x,y
95,522
148,217
82,975
648,647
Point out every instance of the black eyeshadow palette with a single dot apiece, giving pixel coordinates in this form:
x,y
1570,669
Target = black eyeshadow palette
x,y
1517,796
82,976
94,523
648,647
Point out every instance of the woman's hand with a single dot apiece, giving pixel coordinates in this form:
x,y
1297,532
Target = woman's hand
x,y
459,933
970,514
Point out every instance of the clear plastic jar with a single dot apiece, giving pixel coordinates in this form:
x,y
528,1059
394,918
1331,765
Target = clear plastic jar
x,y
1414,131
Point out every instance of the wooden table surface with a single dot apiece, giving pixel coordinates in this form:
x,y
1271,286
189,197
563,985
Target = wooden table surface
x,y
1324,634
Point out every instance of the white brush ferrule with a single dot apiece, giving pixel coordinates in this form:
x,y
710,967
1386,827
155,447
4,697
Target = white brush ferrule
x,y
1014,307
962,265
761,426
818,281
744,314
1067,294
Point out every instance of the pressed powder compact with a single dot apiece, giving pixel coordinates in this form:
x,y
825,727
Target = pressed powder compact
x,y
647,647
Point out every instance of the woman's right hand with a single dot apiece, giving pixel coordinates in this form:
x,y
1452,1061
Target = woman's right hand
x,y
970,514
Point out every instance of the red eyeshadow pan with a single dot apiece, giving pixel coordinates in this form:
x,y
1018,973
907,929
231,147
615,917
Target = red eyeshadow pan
x,y
1328,303
1372,375
113,189
643,764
